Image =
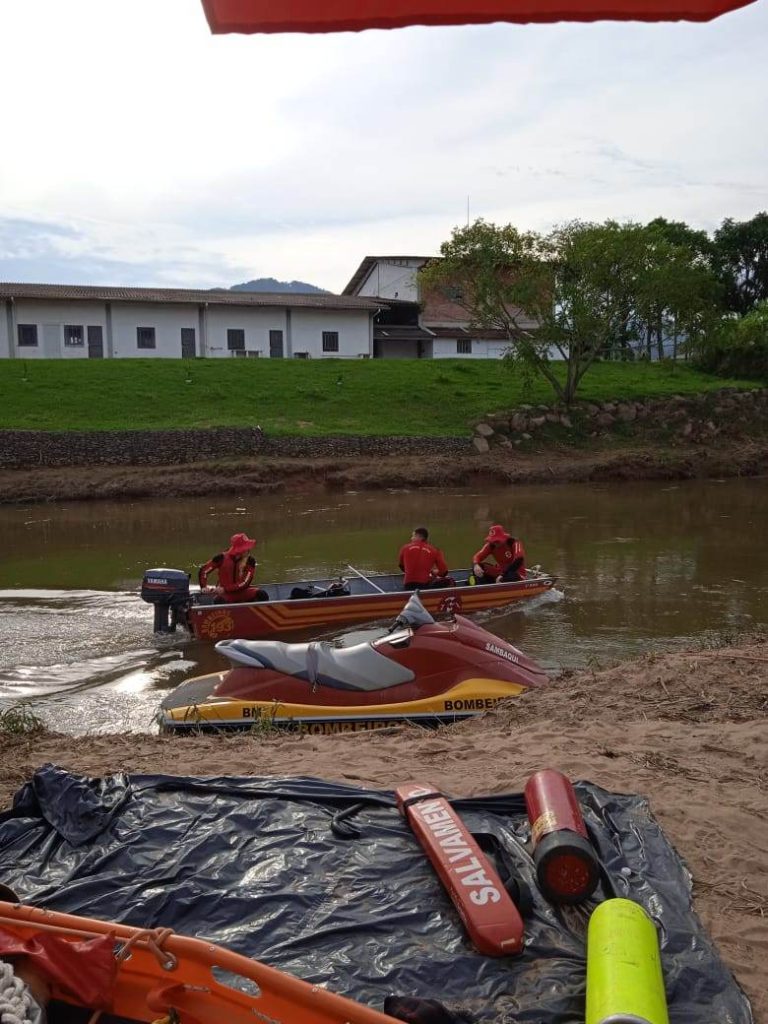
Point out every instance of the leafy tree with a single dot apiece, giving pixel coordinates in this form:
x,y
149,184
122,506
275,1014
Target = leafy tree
x,y
741,259
678,296
589,288
677,232
739,346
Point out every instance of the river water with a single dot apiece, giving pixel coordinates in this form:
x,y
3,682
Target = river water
x,y
649,566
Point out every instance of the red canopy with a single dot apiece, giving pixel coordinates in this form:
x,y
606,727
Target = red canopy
x,y
342,15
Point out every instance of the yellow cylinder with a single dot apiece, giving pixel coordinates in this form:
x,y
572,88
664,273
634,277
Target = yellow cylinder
x,y
624,980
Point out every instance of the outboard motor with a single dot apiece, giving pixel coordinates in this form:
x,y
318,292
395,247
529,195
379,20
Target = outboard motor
x,y
168,591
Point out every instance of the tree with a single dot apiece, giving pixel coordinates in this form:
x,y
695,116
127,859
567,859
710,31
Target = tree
x,y
678,296
739,346
685,293
590,288
741,259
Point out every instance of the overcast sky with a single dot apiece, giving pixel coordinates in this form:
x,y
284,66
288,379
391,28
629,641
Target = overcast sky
x,y
138,149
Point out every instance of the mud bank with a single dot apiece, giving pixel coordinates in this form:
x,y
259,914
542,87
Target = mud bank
x,y
262,475
685,730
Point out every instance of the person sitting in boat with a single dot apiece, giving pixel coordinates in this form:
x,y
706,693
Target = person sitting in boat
x,y
422,564
235,568
507,554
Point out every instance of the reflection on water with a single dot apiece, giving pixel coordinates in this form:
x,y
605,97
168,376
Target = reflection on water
x,y
641,566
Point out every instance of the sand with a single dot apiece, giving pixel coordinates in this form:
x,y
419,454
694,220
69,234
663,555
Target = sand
x,y
687,731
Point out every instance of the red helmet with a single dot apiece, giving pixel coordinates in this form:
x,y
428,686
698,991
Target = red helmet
x,y
497,535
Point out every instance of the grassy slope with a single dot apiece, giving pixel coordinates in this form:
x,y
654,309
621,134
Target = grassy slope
x,y
416,397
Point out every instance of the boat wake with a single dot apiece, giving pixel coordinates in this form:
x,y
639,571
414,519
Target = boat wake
x,y
85,659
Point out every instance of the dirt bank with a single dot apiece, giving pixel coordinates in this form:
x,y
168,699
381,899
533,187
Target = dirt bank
x,y
546,465
688,731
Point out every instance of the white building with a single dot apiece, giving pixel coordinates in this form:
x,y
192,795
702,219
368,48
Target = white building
x,y
80,322
422,326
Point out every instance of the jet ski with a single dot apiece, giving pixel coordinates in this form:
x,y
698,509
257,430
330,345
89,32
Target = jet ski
x,y
421,671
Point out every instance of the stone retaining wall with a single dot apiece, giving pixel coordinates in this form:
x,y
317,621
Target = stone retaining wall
x,y
24,449
679,418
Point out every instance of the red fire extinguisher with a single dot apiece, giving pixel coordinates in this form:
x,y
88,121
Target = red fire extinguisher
x,y
567,868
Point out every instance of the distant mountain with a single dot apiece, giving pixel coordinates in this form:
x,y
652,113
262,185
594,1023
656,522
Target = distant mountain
x,y
269,284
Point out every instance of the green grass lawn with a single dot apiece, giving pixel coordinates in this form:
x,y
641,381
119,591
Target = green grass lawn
x,y
416,397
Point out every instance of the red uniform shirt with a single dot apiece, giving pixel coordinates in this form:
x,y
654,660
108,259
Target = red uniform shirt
x,y
505,553
417,559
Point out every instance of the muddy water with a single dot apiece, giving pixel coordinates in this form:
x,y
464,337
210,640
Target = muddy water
x,y
641,567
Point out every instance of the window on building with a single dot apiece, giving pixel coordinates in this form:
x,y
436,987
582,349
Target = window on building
x,y
145,337
235,339
330,341
454,294
464,346
27,334
73,335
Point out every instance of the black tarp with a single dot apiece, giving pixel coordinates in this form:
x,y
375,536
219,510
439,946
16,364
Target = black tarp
x,y
252,864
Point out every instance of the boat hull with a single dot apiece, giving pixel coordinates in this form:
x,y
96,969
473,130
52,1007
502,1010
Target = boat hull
x,y
267,618
464,700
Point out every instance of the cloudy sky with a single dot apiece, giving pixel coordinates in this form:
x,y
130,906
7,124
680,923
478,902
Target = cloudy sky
x,y
138,149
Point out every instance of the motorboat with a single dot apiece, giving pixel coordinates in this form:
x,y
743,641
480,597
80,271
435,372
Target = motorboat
x,y
321,603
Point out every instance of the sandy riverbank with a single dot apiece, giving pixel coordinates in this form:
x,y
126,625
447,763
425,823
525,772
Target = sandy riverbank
x,y
553,465
688,731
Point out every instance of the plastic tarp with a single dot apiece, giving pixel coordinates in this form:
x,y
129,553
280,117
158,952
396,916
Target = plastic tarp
x,y
354,15
252,864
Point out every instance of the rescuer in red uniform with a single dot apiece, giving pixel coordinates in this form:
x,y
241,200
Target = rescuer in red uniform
x,y
508,558
235,568
422,564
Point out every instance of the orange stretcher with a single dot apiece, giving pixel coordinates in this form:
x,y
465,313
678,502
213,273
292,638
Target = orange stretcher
x,y
163,976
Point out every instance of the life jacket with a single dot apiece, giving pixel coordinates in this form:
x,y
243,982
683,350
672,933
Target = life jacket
x,y
234,576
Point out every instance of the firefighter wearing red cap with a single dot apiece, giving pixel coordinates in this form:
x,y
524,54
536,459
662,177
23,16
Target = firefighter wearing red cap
x,y
235,568
508,558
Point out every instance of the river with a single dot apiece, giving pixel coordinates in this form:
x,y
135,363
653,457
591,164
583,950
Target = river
x,y
650,566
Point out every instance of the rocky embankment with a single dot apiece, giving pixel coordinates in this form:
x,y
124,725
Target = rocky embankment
x,y
679,419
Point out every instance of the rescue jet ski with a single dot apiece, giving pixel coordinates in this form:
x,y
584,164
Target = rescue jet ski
x,y
422,671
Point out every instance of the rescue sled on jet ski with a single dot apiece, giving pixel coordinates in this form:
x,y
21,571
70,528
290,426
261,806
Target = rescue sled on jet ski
x,y
422,671
320,603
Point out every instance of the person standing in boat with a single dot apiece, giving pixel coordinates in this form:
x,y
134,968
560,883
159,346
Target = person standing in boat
x,y
235,568
507,554
422,564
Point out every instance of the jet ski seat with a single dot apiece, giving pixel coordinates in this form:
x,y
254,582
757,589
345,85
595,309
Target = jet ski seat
x,y
359,667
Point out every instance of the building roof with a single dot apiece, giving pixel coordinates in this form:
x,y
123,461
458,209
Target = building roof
x,y
425,332
213,297
476,333
402,332
367,265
